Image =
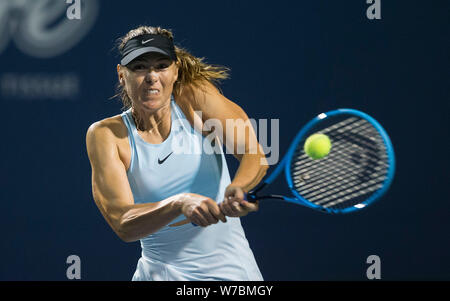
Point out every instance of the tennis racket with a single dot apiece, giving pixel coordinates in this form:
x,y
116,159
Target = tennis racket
x,y
357,171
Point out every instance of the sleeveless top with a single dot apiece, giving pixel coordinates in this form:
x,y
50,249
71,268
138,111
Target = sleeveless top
x,y
186,162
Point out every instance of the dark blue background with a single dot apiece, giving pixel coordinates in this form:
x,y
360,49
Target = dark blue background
x,y
289,60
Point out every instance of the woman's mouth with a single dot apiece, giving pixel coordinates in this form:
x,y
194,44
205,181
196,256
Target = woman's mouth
x,y
152,91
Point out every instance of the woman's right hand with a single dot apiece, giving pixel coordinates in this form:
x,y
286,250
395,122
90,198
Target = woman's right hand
x,y
200,210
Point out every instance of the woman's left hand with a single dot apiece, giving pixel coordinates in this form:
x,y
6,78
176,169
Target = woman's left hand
x,y
234,204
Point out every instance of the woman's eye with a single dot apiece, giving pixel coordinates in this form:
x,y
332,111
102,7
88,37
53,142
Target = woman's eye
x,y
139,67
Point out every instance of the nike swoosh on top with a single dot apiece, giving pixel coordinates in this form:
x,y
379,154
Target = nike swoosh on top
x,y
162,161
144,42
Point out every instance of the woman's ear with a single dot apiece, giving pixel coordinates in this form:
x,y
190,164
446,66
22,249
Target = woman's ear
x,y
120,74
177,68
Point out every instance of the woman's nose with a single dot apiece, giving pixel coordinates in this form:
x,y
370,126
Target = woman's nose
x,y
151,76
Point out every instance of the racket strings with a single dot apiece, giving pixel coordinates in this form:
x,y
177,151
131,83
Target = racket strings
x,y
338,175
304,162
332,177
344,191
338,179
343,133
356,166
342,161
348,188
372,158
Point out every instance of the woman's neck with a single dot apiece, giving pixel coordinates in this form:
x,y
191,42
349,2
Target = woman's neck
x,y
153,123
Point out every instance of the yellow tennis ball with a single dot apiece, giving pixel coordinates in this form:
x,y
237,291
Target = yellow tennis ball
x,y
317,146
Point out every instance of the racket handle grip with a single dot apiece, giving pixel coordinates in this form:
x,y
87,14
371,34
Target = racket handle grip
x,y
249,197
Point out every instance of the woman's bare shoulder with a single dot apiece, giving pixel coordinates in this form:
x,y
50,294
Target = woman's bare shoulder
x,y
195,97
113,127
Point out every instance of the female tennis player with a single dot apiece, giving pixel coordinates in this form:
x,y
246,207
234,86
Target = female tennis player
x,y
157,171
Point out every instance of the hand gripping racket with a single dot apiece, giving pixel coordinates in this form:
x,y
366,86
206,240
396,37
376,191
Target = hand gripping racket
x,y
357,171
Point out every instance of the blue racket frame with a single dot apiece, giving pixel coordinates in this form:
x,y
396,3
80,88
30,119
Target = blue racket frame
x,y
285,164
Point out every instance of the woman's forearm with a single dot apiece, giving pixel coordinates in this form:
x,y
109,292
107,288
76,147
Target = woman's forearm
x,y
140,220
251,171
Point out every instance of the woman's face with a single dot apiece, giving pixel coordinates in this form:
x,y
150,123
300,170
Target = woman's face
x,y
148,81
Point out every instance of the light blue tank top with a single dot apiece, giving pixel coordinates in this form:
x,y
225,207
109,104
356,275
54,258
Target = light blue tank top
x,y
186,162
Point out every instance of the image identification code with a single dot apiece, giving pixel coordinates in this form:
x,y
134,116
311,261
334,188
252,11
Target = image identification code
x,y
225,290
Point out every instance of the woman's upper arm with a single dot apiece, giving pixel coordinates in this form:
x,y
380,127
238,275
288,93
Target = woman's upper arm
x,y
110,187
237,131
